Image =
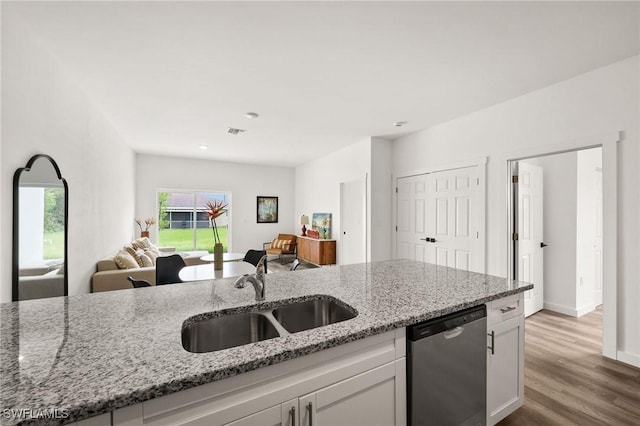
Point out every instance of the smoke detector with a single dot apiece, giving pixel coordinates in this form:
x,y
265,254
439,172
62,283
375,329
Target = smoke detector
x,y
234,131
399,123
252,115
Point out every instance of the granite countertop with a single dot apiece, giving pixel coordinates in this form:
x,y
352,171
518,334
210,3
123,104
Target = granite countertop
x,y
93,353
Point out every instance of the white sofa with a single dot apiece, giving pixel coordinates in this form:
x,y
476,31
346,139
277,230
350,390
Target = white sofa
x,y
109,277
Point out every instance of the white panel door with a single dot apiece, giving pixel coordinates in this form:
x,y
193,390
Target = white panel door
x,y
412,221
597,244
452,220
353,221
530,231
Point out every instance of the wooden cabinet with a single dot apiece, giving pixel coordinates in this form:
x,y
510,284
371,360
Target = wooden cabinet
x,y
319,252
505,369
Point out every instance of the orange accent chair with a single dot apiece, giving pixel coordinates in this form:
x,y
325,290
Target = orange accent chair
x,y
282,245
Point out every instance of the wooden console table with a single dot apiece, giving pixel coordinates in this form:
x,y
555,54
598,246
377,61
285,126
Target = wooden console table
x,y
319,252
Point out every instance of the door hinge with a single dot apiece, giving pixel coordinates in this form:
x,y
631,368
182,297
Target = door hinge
x,y
396,228
514,179
515,236
396,189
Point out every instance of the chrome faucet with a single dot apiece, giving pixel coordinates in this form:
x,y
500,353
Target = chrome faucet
x,y
257,280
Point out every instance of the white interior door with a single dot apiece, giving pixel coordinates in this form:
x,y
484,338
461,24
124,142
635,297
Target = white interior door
x,y
412,221
353,221
530,231
452,223
438,220
597,244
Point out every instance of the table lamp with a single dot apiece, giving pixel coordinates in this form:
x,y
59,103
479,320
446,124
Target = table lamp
x,y
304,220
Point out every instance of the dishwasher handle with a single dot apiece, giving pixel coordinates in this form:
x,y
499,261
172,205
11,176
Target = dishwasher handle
x,y
453,333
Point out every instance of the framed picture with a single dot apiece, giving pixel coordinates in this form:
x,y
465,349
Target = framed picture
x,y
267,209
321,222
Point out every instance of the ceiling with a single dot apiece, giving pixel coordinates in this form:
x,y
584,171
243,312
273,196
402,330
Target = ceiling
x,y
171,76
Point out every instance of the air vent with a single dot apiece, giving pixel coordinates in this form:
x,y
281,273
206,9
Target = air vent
x,y
234,131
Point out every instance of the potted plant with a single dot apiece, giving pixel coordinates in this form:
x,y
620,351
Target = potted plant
x,y
214,210
148,222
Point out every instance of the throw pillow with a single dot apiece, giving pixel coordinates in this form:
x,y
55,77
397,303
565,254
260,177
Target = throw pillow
x,y
151,255
146,260
138,245
125,261
276,243
133,254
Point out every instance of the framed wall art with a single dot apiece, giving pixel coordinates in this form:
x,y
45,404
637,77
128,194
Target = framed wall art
x,y
267,209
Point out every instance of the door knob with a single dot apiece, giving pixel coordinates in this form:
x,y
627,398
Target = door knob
x,y
543,245
425,239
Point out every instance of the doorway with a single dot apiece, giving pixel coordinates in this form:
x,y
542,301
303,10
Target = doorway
x,y
608,142
353,221
558,222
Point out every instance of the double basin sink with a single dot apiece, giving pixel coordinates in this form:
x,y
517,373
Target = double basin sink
x,y
241,328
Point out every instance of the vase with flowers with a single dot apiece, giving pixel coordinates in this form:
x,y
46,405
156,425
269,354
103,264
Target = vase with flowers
x,y
214,210
148,222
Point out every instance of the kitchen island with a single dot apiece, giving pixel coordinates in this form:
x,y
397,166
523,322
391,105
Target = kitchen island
x,y
91,354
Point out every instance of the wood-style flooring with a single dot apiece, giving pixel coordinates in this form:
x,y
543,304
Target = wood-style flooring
x,y
568,381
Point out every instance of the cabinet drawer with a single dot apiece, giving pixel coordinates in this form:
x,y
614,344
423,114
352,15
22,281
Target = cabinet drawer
x,y
505,308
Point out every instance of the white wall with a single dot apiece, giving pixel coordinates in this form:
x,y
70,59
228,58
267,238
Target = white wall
x,y
601,101
44,111
317,184
381,199
560,186
244,181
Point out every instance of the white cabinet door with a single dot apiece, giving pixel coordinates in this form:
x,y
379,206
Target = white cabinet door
x,y
505,379
367,399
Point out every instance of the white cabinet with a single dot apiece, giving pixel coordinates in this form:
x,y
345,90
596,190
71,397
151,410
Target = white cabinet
x,y
366,399
358,383
505,361
269,417
286,414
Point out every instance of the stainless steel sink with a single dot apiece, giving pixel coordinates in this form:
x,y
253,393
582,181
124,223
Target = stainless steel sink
x,y
227,331
311,314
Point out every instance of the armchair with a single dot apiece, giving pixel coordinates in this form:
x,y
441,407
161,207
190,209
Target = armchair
x,y
282,245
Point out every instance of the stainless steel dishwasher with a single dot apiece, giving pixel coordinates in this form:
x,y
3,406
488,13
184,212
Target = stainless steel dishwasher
x,y
447,370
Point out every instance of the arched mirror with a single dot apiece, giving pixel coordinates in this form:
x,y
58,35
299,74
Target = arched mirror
x,y
40,199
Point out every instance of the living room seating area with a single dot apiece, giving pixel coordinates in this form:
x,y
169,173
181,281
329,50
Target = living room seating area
x,y
137,260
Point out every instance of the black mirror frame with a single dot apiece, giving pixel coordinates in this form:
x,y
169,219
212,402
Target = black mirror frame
x,y
16,223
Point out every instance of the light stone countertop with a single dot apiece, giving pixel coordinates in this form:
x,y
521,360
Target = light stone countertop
x,y
93,353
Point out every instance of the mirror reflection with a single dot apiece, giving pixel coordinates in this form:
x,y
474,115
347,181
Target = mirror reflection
x,y
40,230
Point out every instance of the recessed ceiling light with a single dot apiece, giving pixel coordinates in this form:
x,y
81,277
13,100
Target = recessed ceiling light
x,y
204,147
252,115
399,123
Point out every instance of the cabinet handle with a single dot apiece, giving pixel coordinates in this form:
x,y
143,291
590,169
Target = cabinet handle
x,y
310,410
507,309
493,342
292,412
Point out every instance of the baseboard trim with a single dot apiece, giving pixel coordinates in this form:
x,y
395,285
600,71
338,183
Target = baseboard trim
x,y
561,309
628,358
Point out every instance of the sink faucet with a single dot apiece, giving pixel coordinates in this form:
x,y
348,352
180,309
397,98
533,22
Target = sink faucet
x,y
257,280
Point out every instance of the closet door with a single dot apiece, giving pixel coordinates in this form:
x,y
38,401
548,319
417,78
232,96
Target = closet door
x,y
452,223
438,219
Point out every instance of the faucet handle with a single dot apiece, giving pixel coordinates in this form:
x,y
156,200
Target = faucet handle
x,y
260,265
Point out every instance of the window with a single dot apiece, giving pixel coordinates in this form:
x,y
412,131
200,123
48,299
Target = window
x,y
183,222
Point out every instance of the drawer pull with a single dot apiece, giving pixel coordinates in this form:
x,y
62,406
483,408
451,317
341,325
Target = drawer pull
x,y
292,412
507,309
493,342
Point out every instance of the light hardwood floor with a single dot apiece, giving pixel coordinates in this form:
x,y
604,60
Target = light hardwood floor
x,y
568,381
